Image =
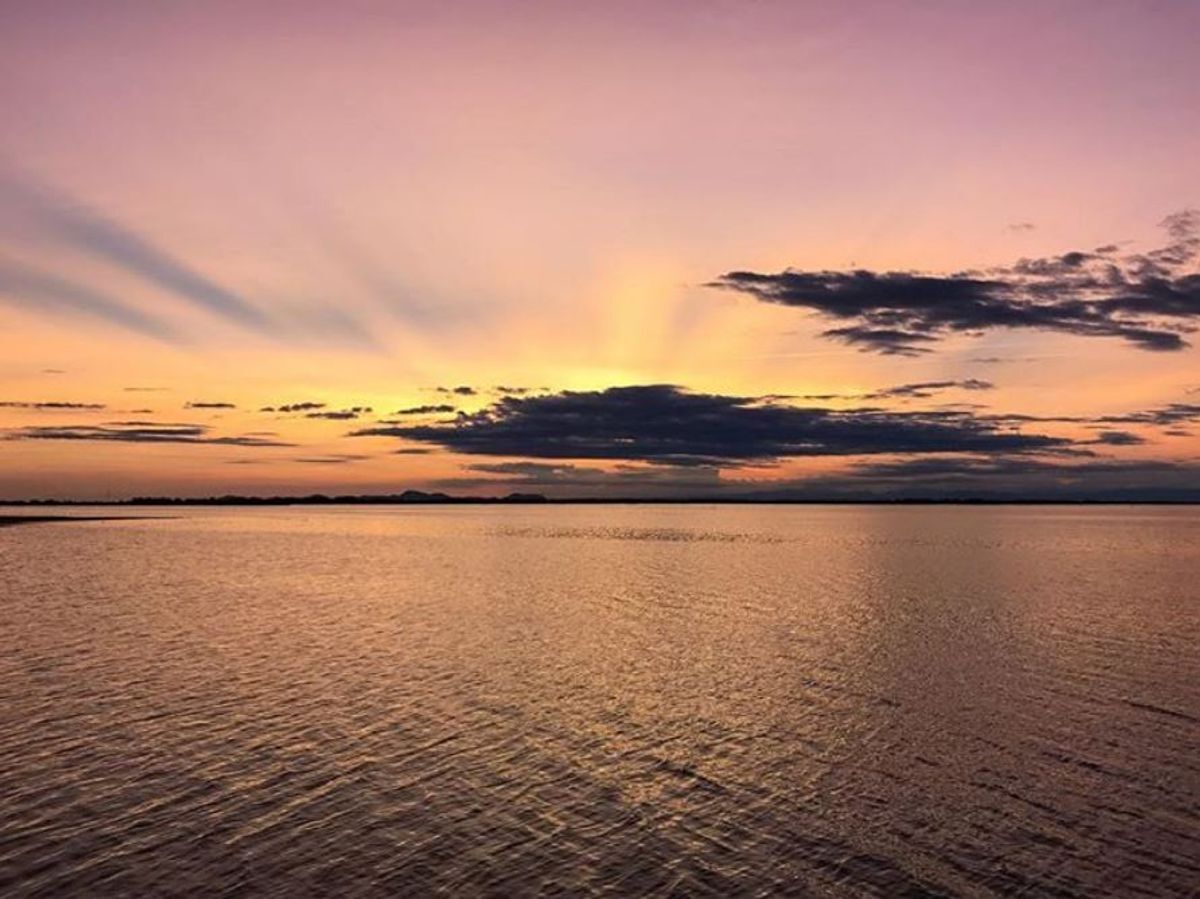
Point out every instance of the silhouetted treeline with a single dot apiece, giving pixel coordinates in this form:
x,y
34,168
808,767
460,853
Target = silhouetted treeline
x,y
418,497
408,497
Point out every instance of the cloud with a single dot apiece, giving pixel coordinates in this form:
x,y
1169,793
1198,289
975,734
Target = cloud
x,y
1172,414
975,467
919,390
924,389
1160,416
532,470
139,432
210,406
150,424
145,389
888,341
293,407
667,425
52,406
333,459
994,477
426,410
1149,299
1117,438
462,390
939,476
628,480
38,291
75,225
1001,477
1002,360
342,414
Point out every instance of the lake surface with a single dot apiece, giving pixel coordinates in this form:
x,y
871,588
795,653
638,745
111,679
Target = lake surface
x,y
627,700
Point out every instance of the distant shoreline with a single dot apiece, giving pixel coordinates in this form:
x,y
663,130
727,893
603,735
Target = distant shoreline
x,y
417,498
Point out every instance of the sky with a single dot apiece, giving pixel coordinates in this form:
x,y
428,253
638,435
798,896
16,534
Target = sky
x,y
775,249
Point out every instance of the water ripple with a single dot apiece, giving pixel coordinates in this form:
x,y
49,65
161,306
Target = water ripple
x,y
602,701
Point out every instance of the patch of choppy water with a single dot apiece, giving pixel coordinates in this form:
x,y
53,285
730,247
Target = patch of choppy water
x,y
584,700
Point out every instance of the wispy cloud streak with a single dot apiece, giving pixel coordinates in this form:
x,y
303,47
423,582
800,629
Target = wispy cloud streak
x,y
82,228
26,287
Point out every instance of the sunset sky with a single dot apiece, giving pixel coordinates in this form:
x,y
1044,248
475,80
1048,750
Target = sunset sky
x,y
600,248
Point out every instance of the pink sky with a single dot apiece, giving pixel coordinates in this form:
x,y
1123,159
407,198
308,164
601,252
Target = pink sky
x,y
354,203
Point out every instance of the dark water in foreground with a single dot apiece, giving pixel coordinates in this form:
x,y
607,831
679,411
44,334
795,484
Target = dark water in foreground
x,y
620,700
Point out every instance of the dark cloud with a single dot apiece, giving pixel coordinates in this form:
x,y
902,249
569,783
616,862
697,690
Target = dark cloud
x,y
1117,438
519,391
341,414
53,406
426,410
533,470
1036,478
293,407
919,390
976,467
1013,419
622,480
993,477
1172,414
139,432
961,406
1002,360
462,390
412,451
1160,416
943,477
334,459
53,371
202,405
138,423
1031,478
72,223
1022,226
925,389
145,389
888,341
666,425
38,291
1149,299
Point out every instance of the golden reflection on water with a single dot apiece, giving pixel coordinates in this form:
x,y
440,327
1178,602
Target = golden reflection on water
x,y
640,698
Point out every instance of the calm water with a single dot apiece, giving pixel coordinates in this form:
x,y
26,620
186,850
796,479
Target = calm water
x,y
618,700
